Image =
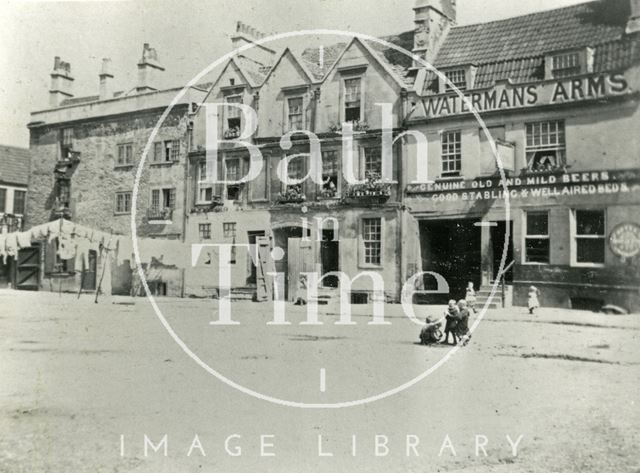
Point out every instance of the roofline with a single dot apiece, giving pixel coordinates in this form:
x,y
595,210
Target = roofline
x,y
302,66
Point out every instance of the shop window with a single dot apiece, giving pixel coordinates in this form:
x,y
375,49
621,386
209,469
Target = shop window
x,y
457,77
123,202
546,146
125,154
537,237
373,163
589,237
295,113
372,241
330,174
233,117
353,100
451,153
204,230
566,65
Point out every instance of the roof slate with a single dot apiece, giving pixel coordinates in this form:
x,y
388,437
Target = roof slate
x,y
14,165
586,24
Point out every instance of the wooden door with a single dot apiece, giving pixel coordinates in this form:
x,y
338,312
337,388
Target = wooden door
x,y
89,273
28,268
300,259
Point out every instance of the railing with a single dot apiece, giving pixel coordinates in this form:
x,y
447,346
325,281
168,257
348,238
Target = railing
x,y
11,223
159,214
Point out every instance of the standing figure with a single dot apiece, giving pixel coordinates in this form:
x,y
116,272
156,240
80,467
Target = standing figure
x,y
462,327
532,299
451,314
471,297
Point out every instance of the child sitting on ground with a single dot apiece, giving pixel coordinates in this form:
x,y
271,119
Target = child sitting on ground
x,y
431,332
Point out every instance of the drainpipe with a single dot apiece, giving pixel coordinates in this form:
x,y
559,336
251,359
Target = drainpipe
x,y
185,198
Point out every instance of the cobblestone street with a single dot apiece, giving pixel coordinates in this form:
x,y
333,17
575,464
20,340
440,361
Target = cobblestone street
x,y
78,375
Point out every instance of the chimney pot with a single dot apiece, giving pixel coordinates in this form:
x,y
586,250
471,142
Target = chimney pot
x,y
61,82
106,80
149,69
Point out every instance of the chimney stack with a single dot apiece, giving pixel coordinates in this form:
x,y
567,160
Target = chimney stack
x,y
61,82
433,19
633,25
149,69
106,80
246,34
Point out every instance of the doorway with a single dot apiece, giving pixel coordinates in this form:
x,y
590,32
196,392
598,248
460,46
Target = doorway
x,y
28,268
451,248
252,268
330,257
282,238
498,237
89,273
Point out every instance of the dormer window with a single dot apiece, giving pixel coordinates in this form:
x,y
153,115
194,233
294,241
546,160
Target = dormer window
x,y
353,99
295,113
565,65
457,77
233,116
561,64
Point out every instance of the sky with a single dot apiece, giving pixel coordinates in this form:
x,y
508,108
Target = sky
x,y
188,35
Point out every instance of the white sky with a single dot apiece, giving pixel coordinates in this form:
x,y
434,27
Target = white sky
x,y
188,34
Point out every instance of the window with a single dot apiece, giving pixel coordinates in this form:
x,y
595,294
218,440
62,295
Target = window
x,y
205,189
295,170
158,155
537,237
125,154
545,145
233,173
296,117
171,151
229,230
233,114
63,193
123,202
229,233
163,199
66,143
566,65
353,100
3,200
458,78
19,198
330,173
373,163
589,232
372,240
451,153
204,229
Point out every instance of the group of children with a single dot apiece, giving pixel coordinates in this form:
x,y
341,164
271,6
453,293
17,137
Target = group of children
x,y
456,319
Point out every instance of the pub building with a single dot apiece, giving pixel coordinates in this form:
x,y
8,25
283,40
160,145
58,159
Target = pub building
x,y
558,93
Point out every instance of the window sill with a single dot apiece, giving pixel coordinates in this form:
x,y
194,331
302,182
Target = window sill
x,y
370,266
163,163
533,263
123,166
449,178
587,265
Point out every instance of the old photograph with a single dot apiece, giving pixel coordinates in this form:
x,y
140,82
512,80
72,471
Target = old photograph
x,y
319,236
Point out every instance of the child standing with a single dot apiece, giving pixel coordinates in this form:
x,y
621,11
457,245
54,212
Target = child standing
x,y
532,299
462,328
451,314
471,297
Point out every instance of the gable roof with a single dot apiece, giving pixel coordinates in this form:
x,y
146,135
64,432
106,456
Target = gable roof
x,y
301,64
14,165
311,59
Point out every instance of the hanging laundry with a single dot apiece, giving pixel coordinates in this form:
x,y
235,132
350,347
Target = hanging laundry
x,y
24,239
3,252
11,244
66,248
